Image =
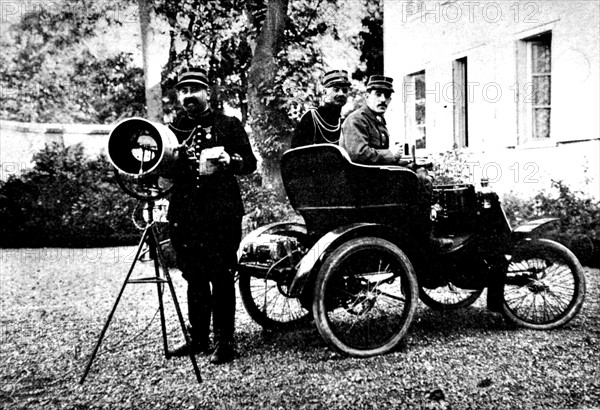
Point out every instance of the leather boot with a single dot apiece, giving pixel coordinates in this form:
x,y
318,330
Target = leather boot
x,y
198,345
195,347
224,352
223,318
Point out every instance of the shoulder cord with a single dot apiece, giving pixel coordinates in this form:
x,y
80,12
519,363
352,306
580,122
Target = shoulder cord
x,y
188,143
321,125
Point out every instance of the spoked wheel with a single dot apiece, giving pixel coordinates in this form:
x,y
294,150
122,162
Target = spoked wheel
x,y
545,285
264,287
365,298
268,304
449,297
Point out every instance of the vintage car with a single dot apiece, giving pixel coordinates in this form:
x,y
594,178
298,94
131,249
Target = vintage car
x,y
367,252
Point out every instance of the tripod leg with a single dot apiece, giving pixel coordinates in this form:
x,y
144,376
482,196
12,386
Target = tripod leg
x,y
160,257
153,243
114,308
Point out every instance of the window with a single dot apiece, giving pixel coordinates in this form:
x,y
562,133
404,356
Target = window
x,y
534,67
460,99
540,63
414,100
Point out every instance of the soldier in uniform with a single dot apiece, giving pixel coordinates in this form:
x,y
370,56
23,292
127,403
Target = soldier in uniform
x,y
366,139
322,125
364,133
205,213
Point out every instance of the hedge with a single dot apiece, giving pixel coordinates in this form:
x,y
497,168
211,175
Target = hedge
x,y
66,200
70,200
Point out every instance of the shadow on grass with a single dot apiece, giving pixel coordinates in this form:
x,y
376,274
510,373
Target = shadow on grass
x,y
429,327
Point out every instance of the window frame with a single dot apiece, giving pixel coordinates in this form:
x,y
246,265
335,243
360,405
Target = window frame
x,y
415,131
543,39
526,107
460,102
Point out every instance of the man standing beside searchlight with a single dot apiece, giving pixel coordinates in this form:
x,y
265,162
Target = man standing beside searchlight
x,y
205,214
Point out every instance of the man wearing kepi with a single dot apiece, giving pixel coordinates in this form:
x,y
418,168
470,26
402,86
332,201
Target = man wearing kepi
x,y
364,133
366,139
205,213
322,125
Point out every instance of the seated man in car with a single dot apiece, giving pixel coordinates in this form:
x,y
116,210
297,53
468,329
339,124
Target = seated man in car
x,y
321,125
364,133
366,138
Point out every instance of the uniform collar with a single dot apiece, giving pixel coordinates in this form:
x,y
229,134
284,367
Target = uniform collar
x,y
373,115
330,111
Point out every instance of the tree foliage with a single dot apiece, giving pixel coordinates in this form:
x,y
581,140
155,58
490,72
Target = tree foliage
x,y
265,58
211,35
222,36
370,42
49,73
66,199
578,226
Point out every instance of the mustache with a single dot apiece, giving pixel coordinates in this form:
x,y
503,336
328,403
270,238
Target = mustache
x,y
190,100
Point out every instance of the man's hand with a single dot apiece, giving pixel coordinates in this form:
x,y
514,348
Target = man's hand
x,y
397,150
422,172
224,159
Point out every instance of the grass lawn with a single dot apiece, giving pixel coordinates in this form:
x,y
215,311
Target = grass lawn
x,y
54,303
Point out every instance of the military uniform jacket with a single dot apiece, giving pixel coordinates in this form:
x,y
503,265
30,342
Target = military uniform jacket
x,y
216,197
366,139
309,130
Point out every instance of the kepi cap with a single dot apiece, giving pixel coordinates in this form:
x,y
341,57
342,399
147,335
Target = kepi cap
x,y
336,78
193,76
380,82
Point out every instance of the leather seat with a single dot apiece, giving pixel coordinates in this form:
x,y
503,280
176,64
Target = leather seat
x,y
329,190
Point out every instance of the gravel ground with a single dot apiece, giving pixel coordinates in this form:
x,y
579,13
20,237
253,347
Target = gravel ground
x,y
54,303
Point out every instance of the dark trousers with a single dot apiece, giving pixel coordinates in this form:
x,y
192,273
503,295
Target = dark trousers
x,y
206,255
216,296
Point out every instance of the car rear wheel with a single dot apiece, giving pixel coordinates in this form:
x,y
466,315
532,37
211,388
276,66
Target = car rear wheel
x,y
365,298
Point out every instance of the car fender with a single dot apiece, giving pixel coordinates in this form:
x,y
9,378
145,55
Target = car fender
x,y
308,266
520,235
531,228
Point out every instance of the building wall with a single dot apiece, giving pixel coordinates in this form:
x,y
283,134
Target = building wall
x,y
431,35
20,141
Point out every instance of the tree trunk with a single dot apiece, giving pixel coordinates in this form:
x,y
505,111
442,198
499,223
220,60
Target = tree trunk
x,y
269,124
152,69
